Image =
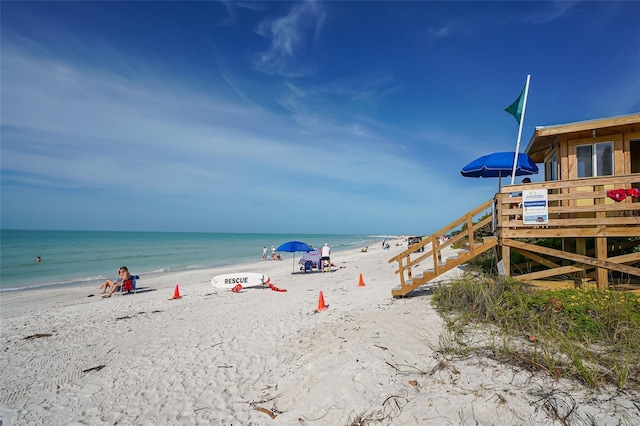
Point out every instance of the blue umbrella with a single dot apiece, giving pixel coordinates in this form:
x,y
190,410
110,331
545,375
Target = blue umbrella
x,y
293,247
499,164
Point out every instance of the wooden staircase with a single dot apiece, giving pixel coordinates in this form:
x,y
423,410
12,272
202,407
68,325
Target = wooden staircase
x,y
409,261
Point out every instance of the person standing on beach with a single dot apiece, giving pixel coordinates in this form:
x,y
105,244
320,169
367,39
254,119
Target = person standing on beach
x,y
264,253
273,252
325,256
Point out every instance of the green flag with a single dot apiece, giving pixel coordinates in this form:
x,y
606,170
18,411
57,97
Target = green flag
x,y
515,108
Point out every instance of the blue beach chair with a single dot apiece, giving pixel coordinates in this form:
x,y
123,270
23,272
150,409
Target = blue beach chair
x,y
129,286
308,266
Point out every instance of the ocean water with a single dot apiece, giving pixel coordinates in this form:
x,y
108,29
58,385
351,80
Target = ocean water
x,y
72,258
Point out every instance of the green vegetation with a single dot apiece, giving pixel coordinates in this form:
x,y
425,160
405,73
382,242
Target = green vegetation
x,y
590,335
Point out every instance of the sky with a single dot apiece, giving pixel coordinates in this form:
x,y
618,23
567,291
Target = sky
x,y
288,117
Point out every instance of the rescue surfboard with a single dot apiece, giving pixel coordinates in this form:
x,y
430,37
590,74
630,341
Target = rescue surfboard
x,y
245,279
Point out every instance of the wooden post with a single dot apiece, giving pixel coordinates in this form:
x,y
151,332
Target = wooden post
x,y
434,254
470,230
602,274
497,213
506,260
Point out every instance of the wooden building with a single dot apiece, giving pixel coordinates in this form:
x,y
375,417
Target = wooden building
x,y
587,211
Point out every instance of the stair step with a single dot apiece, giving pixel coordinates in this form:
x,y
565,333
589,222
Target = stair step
x,y
473,247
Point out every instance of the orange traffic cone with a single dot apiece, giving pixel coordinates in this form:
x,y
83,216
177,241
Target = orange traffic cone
x,y
360,281
321,305
176,293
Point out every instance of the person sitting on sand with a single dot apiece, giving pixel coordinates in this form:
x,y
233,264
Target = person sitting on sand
x,y
113,286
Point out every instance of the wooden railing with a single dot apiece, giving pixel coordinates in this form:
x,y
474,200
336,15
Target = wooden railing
x,y
463,231
576,208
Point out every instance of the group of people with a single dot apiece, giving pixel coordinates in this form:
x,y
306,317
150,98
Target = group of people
x,y
274,255
110,286
325,259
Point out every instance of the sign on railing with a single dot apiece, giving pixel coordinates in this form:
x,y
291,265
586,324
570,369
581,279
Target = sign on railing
x,y
535,207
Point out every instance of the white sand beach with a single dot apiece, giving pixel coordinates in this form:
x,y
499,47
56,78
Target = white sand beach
x,y
261,357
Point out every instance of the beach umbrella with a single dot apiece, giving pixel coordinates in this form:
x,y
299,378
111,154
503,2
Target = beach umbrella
x,y
293,247
499,164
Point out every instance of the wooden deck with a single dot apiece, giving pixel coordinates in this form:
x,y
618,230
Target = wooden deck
x,y
583,223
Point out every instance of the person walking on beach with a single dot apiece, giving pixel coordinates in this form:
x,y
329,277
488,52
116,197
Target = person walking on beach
x,y
325,255
264,253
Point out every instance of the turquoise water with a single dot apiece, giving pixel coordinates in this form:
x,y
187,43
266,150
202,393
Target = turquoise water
x,y
71,258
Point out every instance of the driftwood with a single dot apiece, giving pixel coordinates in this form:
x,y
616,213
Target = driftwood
x,y
97,368
267,412
37,336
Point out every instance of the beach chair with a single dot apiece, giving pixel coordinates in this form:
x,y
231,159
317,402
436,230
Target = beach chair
x,y
129,286
308,266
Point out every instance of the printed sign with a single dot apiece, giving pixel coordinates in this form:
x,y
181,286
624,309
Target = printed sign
x,y
535,207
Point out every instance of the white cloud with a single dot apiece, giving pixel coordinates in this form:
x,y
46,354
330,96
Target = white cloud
x,y
287,37
441,32
72,130
551,11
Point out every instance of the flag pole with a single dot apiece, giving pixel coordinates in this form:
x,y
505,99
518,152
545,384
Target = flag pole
x,y
524,107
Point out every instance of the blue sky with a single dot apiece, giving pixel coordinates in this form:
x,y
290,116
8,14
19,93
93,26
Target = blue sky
x,y
302,117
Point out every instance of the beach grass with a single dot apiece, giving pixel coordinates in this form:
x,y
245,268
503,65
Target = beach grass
x,y
586,334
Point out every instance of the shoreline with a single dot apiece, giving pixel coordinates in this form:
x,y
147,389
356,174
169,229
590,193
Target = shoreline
x,y
20,300
35,284
263,357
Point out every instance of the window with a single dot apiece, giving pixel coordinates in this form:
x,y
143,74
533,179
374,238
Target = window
x,y
635,155
551,168
595,159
